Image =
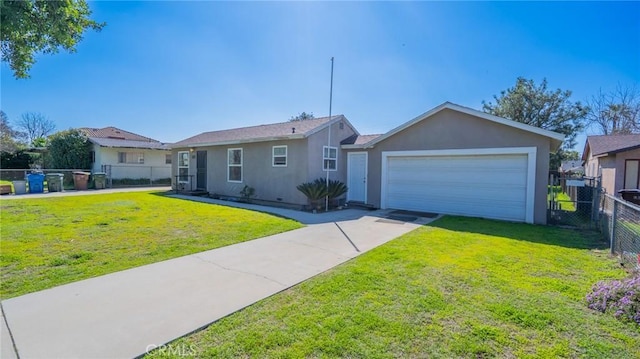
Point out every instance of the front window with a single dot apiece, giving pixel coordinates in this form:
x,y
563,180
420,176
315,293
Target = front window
x,y
632,174
279,156
234,165
330,158
167,159
183,167
131,157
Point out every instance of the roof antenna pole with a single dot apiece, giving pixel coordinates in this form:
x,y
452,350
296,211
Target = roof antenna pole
x,y
326,200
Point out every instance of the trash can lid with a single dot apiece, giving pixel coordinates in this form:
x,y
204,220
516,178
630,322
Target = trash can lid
x,y
81,173
35,175
630,190
99,173
55,174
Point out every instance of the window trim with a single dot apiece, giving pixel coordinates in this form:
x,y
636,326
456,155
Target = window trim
x,y
229,165
126,153
187,166
273,156
324,159
624,179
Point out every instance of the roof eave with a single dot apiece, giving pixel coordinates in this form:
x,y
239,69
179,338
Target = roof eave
x,y
630,148
351,147
556,138
337,118
296,136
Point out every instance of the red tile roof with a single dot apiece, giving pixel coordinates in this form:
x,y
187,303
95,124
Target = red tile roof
x,y
114,133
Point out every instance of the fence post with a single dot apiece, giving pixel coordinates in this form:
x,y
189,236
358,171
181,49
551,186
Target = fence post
x,y
614,215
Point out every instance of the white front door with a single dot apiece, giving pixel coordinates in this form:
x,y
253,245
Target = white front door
x,y
357,177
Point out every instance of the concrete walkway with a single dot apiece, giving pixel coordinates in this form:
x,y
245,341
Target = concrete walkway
x,y
125,314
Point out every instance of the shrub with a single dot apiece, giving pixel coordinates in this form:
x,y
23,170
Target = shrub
x,y
19,159
247,192
69,149
336,189
619,297
315,191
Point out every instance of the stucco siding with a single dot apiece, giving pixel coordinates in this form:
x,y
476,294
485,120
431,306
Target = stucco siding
x,y
315,155
154,166
450,129
612,169
606,167
277,184
621,159
271,183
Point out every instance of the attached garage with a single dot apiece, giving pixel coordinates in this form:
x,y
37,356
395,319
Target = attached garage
x,y
456,160
490,183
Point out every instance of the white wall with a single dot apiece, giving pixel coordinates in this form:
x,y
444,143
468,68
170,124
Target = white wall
x,y
154,166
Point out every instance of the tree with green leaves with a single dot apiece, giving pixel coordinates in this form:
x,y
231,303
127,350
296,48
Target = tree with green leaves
x,y
540,107
28,27
302,117
544,108
69,149
10,139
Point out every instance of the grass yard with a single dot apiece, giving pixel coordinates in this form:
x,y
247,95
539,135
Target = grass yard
x,y
51,241
562,198
565,202
460,287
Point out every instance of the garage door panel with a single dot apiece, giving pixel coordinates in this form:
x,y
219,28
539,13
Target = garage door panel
x,y
492,186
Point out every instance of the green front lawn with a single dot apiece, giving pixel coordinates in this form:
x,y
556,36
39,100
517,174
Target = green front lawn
x,y
460,287
51,241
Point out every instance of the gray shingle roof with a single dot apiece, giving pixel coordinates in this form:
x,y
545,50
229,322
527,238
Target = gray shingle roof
x,y
283,130
600,145
359,139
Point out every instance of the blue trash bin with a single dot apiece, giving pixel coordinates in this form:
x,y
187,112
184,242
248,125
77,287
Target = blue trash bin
x,y
36,182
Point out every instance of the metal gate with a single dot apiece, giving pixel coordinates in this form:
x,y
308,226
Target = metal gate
x,y
574,201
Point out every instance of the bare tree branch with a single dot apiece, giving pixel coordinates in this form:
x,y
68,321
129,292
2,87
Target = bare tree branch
x,y
616,112
35,125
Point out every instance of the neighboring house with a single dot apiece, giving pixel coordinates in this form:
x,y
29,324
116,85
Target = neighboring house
x,y
571,166
451,159
616,158
128,155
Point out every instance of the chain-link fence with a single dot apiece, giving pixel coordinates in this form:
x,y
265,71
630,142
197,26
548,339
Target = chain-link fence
x,y
574,201
621,226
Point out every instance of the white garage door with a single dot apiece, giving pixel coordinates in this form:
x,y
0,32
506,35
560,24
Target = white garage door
x,y
490,186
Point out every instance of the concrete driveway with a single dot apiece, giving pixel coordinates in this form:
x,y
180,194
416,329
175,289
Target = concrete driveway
x,y
125,314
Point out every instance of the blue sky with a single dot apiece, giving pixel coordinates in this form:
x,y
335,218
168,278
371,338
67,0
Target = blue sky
x,y
170,70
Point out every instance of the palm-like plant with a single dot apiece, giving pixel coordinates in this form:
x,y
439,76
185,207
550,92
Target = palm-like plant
x,y
336,189
314,191
317,190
